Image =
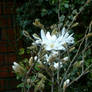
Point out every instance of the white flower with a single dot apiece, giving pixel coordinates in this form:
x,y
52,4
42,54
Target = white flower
x,y
47,57
39,61
53,42
56,65
17,68
53,54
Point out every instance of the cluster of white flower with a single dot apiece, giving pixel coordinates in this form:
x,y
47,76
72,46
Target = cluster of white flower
x,y
54,42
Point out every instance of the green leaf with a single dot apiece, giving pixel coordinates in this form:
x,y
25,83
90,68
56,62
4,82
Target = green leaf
x,y
62,18
33,78
21,51
36,67
44,12
25,60
28,51
28,86
88,62
66,5
21,85
18,76
53,1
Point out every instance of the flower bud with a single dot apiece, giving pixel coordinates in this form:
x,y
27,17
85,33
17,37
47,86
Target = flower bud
x,y
56,65
30,61
17,68
38,24
35,58
78,63
26,34
75,24
40,75
66,83
65,59
34,47
41,66
89,35
71,49
28,81
36,36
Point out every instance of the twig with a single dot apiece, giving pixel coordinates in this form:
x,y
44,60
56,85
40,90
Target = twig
x,y
26,75
71,63
77,15
83,73
59,1
52,85
82,40
58,71
76,79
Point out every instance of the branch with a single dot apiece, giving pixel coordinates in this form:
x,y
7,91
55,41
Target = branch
x,y
71,63
83,73
82,8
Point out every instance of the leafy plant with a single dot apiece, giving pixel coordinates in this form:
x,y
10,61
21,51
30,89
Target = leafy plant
x,y
43,69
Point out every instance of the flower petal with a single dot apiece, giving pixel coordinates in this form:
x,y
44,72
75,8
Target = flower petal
x,y
43,35
63,31
48,36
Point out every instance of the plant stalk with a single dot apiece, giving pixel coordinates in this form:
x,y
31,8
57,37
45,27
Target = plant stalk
x,y
52,85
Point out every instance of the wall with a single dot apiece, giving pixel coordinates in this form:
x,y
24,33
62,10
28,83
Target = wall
x,y
8,45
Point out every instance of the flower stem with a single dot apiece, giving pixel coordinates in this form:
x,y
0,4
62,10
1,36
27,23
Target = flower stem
x,y
58,75
52,86
59,1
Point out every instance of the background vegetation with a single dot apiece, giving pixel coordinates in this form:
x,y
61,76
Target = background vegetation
x,y
47,12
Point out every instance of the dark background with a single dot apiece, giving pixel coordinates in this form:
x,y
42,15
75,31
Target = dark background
x,y
8,45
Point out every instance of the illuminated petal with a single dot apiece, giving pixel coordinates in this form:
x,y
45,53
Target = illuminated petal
x,y
43,35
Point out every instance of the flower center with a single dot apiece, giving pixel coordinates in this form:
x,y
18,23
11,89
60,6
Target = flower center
x,y
52,45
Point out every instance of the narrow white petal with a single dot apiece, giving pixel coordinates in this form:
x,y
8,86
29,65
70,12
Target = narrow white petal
x,y
66,35
43,35
55,42
53,37
48,36
54,52
38,41
48,48
61,48
63,31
